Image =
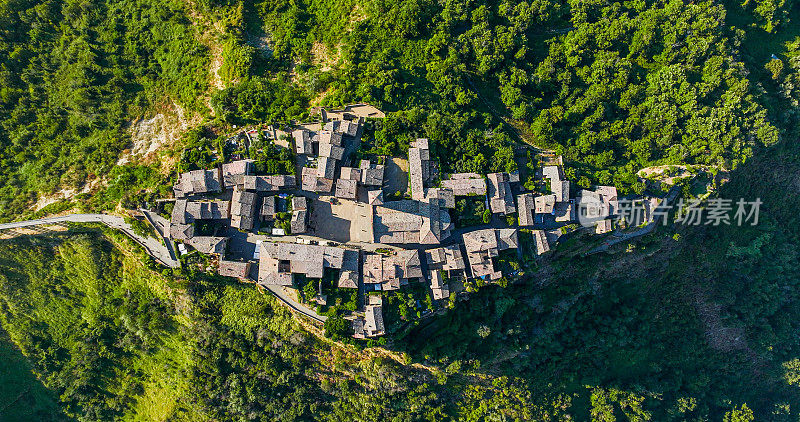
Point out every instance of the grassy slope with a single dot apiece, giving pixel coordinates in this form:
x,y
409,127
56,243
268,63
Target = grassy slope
x,y
62,290
22,395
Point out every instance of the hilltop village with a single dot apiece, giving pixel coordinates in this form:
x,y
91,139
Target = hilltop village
x,y
339,221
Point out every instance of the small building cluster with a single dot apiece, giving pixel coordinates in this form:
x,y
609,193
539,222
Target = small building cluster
x,y
410,222
483,245
279,262
501,200
417,232
382,272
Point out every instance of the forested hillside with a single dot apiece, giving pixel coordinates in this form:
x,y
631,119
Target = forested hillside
x,y
114,340
73,74
613,87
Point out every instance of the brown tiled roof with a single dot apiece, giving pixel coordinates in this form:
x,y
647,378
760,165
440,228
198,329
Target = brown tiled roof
x,y
236,269
564,211
186,212
603,226
346,188
464,184
298,223
238,167
302,141
552,172
262,183
507,239
327,137
326,167
348,275
592,205
561,189
444,196
608,195
409,221
373,321
198,182
544,204
419,167
375,197
243,209
181,231
350,173
372,176
447,258
439,288
209,244
312,183
348,128
331,151
483,245
391,271
540,240
268,207
408,264
299,202
525,209
499,191
279,260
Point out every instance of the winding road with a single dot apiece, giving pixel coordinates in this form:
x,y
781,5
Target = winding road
x,y
154,247
161,250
